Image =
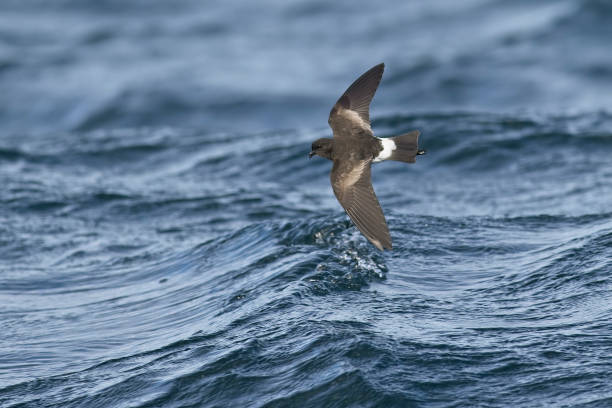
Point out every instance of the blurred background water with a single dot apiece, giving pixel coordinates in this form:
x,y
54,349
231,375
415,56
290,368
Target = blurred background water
x,y
165,242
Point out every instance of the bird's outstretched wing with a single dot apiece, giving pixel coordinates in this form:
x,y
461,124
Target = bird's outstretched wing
x,y
350,116
352,186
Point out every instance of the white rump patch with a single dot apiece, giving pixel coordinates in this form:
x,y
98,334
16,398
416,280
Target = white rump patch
x,y
388,148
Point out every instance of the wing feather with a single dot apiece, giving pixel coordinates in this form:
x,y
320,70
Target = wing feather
x,y
353,189
351,113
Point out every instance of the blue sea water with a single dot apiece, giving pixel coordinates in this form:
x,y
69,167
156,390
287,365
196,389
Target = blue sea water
x,y
165,241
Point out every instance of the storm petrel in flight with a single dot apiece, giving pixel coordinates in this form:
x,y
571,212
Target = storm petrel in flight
x,y
354,148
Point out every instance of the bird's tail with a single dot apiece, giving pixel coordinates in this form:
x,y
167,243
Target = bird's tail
x,y
406,147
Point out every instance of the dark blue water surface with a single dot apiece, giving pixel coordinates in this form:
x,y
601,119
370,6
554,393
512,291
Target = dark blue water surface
x,y
165,242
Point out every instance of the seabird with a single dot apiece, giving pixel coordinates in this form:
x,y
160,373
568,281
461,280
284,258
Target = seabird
x,y
354,148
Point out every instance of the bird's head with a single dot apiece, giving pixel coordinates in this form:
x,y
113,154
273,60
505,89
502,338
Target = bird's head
x,y
322,147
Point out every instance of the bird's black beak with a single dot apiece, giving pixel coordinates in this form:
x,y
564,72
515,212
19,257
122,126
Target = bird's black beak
x,y
311,154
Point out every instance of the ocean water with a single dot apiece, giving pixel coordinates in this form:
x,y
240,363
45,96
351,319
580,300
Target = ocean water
x,y
165,241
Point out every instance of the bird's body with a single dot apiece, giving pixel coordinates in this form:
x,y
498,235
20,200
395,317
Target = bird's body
x,y
354,148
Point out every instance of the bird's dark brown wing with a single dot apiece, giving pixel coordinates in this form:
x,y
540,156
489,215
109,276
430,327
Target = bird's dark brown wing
x,y
352,186
351,114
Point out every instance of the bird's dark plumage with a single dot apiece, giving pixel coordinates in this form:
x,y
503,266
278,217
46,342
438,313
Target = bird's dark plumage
x,y
352,186
358,96
354,148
